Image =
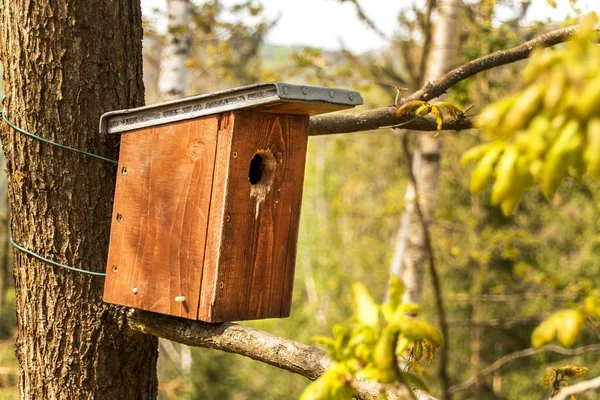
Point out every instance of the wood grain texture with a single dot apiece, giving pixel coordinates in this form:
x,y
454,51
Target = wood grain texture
x,y
161,209
256,258
217,217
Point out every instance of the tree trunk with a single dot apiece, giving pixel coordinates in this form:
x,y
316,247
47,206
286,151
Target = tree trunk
x,y
411,250
173,75
65,63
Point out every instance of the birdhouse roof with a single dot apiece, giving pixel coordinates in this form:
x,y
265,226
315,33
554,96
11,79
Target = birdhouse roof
x,y
273,97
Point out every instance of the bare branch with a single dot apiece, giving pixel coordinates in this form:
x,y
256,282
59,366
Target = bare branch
x,y
385,116
577,388
258,345
438,87
378,118
520,354
362,15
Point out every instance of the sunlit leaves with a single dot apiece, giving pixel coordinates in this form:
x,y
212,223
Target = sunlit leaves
x,y
372,345
422,108
548,131
367,311
556,377
564,325
332,385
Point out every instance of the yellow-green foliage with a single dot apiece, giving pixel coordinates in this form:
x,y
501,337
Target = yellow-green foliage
x,y
547,131
421,108
557,377
565,325
369,348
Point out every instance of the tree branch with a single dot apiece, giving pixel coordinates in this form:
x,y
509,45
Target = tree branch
x,y
577,388
496,365
380,118
261,346
386,116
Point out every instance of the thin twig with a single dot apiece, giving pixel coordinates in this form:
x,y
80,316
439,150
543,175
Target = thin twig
x,y
438,87
386,116
426,28
437,290
499,363
362,15
577,388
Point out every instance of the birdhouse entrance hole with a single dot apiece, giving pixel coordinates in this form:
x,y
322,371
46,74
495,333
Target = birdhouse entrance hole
x,y
262,167
260,176
256,167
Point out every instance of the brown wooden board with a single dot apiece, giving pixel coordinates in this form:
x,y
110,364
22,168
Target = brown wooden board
x,y
257,251
217,218
160,216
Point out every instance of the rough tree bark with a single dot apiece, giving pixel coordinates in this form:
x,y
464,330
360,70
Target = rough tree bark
x,y
411,250
65,63
173,70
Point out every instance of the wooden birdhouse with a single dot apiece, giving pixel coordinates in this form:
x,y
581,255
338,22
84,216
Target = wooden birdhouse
x,y
207,200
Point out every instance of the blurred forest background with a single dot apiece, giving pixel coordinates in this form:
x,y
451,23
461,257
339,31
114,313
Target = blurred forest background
x,y
501,275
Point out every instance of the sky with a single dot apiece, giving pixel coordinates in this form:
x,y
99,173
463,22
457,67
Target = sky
x,y
327,23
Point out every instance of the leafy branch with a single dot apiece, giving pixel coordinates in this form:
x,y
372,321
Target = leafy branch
x,y
279,352
386,116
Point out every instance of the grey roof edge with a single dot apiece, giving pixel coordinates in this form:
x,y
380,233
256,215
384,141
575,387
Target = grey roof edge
x,y
119,121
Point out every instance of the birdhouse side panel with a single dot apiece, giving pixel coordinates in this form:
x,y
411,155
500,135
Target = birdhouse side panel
x,y
255,267
160,217
217,218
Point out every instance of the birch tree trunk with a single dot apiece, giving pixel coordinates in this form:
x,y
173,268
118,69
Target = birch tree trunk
x,y
65,63
410,251
173,74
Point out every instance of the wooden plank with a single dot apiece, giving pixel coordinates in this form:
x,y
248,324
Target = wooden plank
x,y
163,199
257,253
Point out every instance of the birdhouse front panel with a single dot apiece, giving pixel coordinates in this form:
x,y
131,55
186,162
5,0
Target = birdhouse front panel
x,y
207,201
250,275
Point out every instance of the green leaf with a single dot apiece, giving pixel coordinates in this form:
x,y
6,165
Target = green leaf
x,y
543,333
332,385
569,324
506,174
448,108
423,110
367,311
592,306
565,324
383,354
571,370
484,169
409,107
439,118
415,329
